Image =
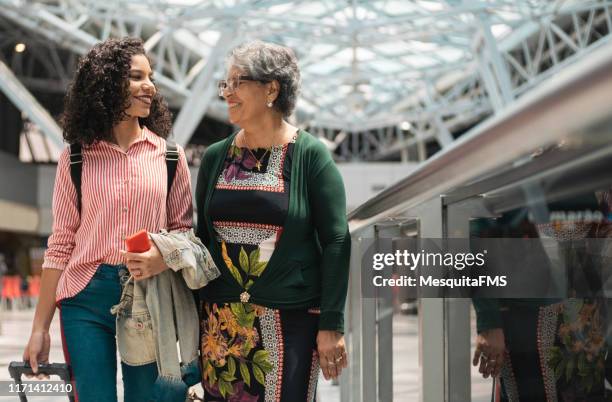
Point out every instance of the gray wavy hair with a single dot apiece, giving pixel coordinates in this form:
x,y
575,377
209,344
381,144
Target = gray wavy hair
x,y
268,62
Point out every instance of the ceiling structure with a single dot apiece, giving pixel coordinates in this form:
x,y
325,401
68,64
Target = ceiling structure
x,y
379,78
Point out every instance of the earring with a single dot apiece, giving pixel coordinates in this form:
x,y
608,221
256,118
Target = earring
x,y
269,104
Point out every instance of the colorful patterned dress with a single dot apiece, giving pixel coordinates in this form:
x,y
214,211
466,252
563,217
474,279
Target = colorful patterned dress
x,y
559,352
250,352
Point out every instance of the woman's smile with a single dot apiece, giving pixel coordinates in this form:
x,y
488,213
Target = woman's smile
x,y
146,99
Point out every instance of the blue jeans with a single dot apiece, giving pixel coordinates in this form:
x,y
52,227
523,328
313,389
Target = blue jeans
x,y
88,337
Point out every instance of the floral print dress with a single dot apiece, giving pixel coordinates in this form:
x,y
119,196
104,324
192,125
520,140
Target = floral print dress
x,y
559,352
250,352
555,353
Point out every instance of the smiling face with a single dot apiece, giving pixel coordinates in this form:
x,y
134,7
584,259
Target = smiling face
x,y
247,102
142,88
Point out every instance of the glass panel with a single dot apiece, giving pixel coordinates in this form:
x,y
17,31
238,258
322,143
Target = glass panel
x,y
561,195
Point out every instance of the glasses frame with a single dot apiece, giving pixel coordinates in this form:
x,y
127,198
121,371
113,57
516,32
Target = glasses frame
x,y
223,86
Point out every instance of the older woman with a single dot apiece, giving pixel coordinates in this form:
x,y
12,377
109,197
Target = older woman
x,y
272,211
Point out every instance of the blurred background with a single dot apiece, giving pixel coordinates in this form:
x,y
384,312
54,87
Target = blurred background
x,y
437,113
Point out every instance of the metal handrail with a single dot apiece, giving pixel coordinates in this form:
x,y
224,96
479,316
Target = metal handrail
x,y
576,98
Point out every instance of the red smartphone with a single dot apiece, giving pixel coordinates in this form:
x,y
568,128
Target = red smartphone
x,y
138,242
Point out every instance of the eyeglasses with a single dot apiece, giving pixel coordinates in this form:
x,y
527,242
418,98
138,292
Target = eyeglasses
x,y
232,84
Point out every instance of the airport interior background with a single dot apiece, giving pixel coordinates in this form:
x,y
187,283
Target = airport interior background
x,y
446,118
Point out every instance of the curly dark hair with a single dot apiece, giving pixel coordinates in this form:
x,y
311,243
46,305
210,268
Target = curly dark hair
x,y
99,95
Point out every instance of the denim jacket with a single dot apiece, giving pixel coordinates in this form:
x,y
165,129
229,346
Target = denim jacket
x,y
148,308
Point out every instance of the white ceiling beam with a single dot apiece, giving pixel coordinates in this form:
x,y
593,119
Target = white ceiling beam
x,y
19,95
203,91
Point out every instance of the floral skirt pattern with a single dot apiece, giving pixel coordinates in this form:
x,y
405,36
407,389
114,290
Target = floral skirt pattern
x,y
252,353
555,353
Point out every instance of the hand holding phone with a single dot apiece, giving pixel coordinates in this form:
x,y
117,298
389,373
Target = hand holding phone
x,y
138,242
143,259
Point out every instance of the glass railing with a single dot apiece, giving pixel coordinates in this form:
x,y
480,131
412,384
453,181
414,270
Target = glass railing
x,y
539,174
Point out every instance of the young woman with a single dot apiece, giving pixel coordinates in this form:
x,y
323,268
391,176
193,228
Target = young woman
x,y
112,109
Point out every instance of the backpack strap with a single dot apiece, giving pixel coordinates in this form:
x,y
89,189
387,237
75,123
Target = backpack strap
x,y
76,167
172,157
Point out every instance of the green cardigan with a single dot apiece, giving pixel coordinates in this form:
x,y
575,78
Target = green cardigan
x,y
310,264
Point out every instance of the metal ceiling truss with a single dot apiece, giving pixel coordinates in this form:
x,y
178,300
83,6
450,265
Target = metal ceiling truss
x,y
504,70
44,67
379,77
23,99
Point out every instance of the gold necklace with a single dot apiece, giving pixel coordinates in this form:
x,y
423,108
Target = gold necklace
x,y
258,161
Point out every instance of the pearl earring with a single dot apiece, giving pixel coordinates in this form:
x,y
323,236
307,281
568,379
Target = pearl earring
x,y
269,104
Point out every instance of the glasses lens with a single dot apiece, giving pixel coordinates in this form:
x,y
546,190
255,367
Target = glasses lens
x,y
233,84
222,87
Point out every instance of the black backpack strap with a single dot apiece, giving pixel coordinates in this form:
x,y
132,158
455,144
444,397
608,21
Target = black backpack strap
x,y
76,166
172,157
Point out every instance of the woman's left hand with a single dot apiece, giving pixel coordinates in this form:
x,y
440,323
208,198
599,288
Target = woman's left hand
x,y
332,353
145,265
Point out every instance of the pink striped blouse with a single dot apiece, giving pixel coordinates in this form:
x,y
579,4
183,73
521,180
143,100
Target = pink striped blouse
x,y
122,192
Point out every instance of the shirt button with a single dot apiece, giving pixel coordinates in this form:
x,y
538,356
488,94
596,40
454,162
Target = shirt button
x,y
125,209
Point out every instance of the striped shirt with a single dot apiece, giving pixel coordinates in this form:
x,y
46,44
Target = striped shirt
x,y
122,193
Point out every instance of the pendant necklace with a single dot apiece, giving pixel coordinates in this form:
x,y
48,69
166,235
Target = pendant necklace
x,y
258,161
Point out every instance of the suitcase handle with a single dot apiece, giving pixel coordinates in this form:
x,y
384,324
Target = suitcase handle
x,y
18,369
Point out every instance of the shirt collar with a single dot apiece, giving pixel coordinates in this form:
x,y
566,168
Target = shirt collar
x,y
146,136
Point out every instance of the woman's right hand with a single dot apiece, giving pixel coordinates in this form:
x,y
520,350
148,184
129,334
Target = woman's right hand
x,y
37,350
490,352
